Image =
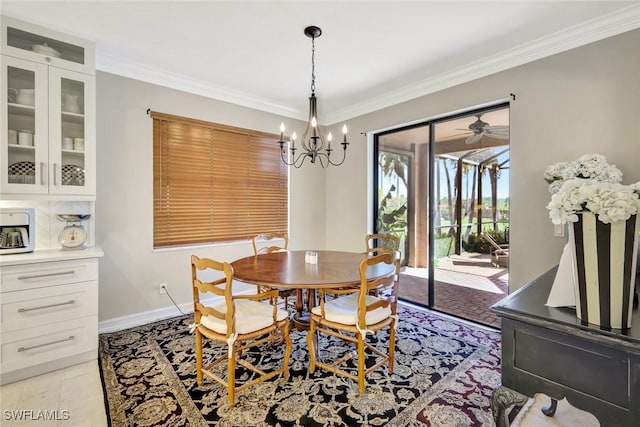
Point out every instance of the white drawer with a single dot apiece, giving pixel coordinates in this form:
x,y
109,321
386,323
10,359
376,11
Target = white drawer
x,y
28,347
36,307
30,276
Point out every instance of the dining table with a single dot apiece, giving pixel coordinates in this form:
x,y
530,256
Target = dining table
x,y
290,270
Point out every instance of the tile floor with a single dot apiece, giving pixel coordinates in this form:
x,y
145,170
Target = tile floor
x,y
70,397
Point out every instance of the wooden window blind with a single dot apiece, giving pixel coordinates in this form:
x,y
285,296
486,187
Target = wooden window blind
x,y
215,183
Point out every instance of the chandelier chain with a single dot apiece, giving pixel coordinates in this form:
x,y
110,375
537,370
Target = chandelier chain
x,y
313,64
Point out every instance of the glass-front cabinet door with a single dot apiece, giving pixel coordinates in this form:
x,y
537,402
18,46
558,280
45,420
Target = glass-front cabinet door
x,y
24,125
71,145
47,115
35,43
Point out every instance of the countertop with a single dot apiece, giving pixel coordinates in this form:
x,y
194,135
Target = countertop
x,y
47,255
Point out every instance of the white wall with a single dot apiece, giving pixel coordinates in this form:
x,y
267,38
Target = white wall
x,y
586,100
131,270
581,101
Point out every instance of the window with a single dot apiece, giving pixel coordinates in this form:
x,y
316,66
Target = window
x,y
215,183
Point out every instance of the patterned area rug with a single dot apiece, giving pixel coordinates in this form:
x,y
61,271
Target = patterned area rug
x,y
443,376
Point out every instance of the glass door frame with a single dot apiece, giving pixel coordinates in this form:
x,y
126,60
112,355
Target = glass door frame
x,y
431,123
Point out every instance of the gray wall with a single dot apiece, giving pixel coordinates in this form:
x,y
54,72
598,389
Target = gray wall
x,y
581,101
131,270
586,100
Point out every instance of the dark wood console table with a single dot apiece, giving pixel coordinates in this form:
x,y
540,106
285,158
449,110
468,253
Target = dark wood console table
x,y
549,350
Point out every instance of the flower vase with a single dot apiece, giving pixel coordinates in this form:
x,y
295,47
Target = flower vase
x,y
604,268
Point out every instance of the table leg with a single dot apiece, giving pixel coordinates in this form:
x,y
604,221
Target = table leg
x,y
299,301
501,399
302,317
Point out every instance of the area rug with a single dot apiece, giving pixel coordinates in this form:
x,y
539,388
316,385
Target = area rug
x,y
444,374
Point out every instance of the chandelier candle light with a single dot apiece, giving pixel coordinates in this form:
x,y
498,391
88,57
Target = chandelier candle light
x,y
313,143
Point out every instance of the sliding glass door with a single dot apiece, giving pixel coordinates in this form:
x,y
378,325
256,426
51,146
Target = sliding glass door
x,y
442,187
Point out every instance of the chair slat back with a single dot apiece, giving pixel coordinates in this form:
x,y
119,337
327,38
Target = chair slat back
x,y
222,287
266,238
381,242
389,280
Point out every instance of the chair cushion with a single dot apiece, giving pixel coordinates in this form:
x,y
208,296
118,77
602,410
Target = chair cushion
x,y
345,310
251,316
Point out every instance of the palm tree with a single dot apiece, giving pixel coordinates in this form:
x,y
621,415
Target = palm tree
x,y
392,217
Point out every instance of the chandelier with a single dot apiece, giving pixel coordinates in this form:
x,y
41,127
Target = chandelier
x,y
314,145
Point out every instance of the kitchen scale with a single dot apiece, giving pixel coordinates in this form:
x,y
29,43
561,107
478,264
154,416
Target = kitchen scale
x,y
73,236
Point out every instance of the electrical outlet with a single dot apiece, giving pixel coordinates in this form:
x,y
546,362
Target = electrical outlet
x,y
558,230
162,288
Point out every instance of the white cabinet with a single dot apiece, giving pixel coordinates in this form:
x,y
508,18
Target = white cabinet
x,y
49,316
47,117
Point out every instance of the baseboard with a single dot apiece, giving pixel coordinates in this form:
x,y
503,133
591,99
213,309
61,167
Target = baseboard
x,y
145,317
138,319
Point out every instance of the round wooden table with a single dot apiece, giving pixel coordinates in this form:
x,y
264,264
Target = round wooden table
x,y
288,270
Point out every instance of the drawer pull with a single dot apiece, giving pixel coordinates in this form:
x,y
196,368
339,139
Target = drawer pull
x,y
21,349
23,310
38,276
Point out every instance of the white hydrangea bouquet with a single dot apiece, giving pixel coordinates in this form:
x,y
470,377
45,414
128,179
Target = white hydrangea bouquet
x,y
588,185
591,184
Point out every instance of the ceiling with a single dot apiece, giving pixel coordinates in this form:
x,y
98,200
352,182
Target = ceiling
x,y
370,55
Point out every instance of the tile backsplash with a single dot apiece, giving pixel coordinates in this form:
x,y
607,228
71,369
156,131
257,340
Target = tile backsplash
x,y
48,226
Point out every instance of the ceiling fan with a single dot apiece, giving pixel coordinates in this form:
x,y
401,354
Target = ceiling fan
x,y
481,128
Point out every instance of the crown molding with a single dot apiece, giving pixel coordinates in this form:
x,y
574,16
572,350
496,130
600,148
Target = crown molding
x,y
145,73
609,25
623,20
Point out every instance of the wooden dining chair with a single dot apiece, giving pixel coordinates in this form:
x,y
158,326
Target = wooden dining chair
x,y
239,322
379,242
353,315
263,244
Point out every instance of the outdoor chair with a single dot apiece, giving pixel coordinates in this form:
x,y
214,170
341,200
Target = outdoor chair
x,y
239,322
499,253
352,315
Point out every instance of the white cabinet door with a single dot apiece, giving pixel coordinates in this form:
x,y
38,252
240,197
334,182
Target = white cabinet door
x,y
38,44
48,146
71,132
48,122
24,123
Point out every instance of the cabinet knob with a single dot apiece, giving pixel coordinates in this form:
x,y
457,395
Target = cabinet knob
x,y
46,58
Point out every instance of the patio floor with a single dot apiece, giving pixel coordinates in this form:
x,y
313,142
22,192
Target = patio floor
x,y
465,286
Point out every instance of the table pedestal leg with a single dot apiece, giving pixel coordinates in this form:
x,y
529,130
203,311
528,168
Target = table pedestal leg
x,y
302,317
